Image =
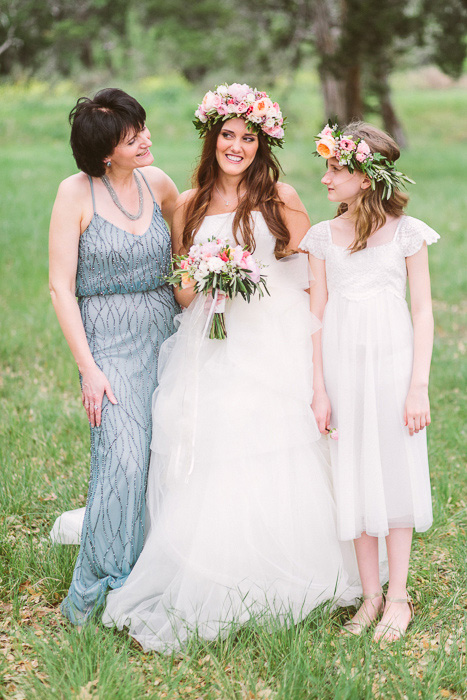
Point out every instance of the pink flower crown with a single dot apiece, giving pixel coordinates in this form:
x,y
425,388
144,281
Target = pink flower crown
x,y
355,153
256,108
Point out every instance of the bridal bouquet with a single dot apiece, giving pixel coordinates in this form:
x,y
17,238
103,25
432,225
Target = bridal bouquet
x,y
219,270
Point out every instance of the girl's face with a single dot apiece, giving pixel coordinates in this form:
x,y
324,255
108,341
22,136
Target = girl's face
x,y
342,185
133,150
236,147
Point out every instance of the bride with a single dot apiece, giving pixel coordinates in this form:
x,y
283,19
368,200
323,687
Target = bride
x,y
241,519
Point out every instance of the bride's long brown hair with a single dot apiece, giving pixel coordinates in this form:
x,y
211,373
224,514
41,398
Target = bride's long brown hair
x,y
259,183
371,208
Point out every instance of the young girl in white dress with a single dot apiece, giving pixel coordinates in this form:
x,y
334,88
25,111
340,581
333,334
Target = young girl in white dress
x,y
371,367
242,518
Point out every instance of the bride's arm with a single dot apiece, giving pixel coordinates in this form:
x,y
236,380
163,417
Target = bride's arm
x,y
183,296
294,214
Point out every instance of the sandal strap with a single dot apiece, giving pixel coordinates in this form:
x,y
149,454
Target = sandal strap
x,y
408,599
372,596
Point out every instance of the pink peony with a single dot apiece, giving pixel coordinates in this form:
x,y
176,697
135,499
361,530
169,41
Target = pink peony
x,y
217,102
242,107
363,151
248,263
347,144
207,103
327,131
277,132
239,91
261,107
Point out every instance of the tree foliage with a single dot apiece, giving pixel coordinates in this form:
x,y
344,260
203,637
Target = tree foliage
x,y
357,43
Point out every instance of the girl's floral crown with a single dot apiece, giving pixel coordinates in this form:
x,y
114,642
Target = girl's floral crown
x,y
256,108
356,153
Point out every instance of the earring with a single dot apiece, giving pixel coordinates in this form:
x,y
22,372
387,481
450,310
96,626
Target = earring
x,y
108,163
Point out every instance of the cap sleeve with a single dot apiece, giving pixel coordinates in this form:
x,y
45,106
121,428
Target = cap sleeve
x,y
413,234
316,240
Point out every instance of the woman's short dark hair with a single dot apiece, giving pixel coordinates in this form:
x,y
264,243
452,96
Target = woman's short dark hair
x,y
98,125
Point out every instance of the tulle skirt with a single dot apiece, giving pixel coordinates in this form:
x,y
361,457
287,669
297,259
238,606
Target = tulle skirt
x,y
380,472
242,521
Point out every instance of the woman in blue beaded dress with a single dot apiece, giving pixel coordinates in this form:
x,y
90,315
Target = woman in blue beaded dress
x,y
109,253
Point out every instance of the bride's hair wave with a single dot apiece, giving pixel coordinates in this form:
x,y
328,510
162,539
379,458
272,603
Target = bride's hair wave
x,y
371,207
261,193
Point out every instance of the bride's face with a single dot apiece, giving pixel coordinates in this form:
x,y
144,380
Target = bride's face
x,y
236,147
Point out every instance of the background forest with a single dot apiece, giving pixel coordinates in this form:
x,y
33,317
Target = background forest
x,y
354,45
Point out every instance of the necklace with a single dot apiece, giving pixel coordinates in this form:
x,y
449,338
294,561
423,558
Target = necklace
x,y
228,202
116,200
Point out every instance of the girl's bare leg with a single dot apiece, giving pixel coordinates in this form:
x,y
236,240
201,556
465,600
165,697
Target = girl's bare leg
x,y
366,549
396,616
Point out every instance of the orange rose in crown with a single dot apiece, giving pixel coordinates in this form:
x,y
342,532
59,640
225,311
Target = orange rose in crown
x,y
326,145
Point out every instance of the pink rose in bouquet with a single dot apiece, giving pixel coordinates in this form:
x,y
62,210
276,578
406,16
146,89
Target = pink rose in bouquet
x,y
219,271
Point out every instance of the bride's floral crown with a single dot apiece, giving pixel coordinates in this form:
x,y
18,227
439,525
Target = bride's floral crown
x,y
355,153
255,107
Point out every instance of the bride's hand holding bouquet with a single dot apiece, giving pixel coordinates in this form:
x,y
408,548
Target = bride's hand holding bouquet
x,y
215,268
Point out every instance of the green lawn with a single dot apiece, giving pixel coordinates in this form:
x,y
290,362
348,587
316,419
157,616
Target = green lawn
x,y
44,433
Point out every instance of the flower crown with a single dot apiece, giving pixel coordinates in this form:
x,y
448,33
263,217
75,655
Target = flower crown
x,y
356,153
256,108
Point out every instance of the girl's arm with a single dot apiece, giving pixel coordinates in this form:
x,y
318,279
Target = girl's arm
x,y
65,228
318,298
183,296
417,405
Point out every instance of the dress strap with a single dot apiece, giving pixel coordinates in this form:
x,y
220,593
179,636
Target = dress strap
x,y
92,194
147,185
400,223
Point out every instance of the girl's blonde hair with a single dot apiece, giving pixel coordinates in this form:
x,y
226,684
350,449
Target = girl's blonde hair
x,y
371,208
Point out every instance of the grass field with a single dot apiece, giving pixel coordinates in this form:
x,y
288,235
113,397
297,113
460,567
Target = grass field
x,y
44,433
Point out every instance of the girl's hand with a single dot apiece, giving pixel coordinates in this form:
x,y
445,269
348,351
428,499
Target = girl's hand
x,y
321,407
417,409
95,385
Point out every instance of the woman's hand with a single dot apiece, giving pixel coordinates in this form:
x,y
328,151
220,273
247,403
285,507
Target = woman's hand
x,y
321,407
95,385
417,409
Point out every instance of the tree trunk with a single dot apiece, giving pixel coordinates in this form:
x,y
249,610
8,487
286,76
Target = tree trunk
x,y
353,94
326,43
390,119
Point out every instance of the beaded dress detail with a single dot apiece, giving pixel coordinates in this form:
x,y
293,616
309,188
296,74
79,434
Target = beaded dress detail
x,y
128,311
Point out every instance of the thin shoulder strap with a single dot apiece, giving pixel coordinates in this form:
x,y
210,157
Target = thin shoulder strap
x,y
147,185
92,194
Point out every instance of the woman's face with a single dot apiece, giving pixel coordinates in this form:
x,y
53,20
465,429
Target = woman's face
x,y
236,147
133,150
342,185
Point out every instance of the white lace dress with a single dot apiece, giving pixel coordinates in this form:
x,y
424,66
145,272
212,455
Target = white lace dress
x,y
380,472
242,518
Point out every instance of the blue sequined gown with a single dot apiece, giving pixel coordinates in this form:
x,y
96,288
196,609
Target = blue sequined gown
x,y
128,311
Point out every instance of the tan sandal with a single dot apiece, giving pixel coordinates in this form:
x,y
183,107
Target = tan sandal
x,y
356,627
390,628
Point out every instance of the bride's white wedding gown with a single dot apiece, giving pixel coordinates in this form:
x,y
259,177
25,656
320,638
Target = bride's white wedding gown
x,y
241,518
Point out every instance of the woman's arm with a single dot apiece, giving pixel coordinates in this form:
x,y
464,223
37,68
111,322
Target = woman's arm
x,y
318,298
65,229
165,191
417,405
294,213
